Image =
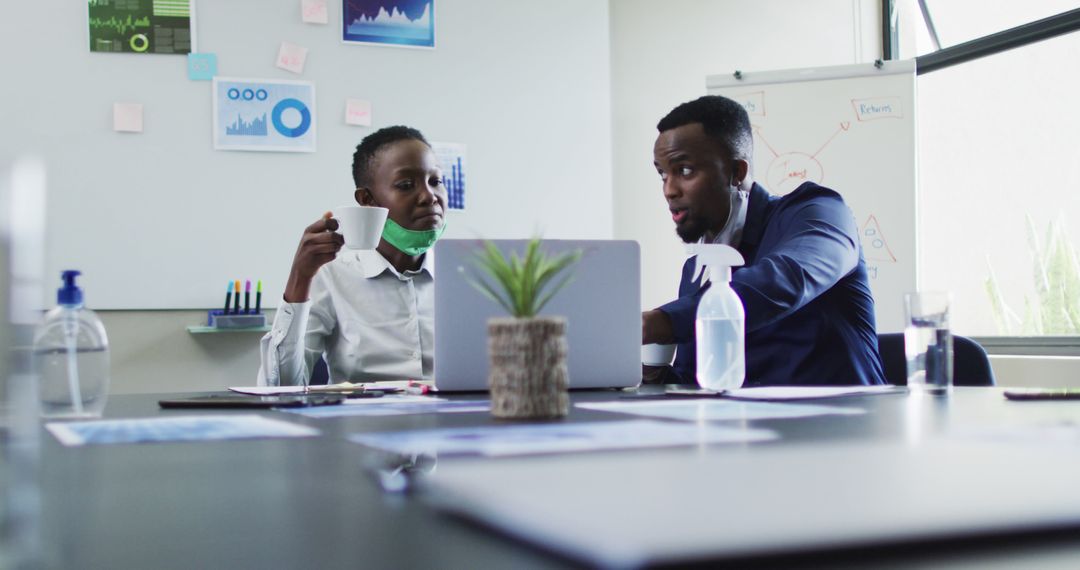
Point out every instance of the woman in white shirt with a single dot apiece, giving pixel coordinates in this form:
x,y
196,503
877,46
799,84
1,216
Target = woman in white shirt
x,y
370,312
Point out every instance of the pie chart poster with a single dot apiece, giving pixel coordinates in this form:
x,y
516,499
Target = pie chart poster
x,y
264,115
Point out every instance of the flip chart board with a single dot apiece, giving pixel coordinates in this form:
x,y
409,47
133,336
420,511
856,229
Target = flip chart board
x,y
850,128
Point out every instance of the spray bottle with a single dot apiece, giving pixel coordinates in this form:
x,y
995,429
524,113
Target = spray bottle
x,y
720,332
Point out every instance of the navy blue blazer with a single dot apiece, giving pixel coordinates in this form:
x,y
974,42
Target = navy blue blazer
x,y
809,311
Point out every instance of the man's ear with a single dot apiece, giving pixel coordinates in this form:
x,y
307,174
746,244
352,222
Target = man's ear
x,y
364,198
740,169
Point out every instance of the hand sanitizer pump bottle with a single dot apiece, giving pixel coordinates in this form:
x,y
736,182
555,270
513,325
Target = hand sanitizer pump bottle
x,y
71,352
720,332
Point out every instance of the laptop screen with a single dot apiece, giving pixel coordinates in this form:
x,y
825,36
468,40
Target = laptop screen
x,y
602,305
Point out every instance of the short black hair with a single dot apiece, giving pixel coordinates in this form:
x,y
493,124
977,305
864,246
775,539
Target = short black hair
x,y
365,151
724,120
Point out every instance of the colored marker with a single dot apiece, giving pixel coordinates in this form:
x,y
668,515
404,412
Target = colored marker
x,y
228,297
247,296
258,296
236,300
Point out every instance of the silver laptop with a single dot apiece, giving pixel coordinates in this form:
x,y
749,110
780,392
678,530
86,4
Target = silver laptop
x,y
602,305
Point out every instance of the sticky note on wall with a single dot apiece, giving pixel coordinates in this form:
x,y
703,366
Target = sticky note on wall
x,y
358,112
291,57
314,11
201,66
128,117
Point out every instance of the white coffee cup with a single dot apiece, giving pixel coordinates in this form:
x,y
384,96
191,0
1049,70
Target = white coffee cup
x,y
657,354
361,226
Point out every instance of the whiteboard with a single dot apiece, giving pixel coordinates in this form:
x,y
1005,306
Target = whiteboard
x,y
850,128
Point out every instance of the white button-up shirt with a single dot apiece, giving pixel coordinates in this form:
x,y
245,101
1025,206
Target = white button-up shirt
x,y
371,322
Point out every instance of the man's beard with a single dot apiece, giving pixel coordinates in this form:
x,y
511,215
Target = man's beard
x,y
692,232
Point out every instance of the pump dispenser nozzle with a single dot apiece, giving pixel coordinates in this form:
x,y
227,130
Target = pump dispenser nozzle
x,y
70,294
718,258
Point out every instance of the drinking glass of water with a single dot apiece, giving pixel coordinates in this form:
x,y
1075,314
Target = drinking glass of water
x,y
928,342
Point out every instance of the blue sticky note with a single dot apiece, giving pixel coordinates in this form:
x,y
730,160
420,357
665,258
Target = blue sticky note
x,y
201,66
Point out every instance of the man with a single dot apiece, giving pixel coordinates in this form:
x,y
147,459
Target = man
x,y
809,311
370,312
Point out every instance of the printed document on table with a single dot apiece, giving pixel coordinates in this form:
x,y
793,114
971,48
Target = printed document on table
x,y
785,393
339,387
528,439
184,428
713,409
392,406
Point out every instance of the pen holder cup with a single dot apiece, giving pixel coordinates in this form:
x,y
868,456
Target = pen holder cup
x,y
221,320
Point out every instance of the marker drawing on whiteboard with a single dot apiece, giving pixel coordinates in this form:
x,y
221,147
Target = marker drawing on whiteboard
x,y
875,108
754,103
875,247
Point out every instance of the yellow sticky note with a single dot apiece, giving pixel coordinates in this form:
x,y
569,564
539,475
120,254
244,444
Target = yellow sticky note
x,y
358,112
291,57
128,117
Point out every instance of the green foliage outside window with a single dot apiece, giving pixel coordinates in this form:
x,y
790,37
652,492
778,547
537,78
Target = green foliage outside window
x,y
1055,310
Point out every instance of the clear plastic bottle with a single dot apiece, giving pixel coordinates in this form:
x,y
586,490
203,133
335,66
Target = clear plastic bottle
x,y
720,332
71,352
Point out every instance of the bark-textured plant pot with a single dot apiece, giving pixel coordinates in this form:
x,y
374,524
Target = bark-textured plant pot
x,y
528,376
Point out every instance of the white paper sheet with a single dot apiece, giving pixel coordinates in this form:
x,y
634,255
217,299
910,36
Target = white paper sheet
x,y
314,12
339,387
291,57
713,409
395,399
392,406
358,112
128,117
783,393
527,439
184,428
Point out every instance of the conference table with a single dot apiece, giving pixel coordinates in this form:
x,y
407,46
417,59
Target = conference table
x,y
968,479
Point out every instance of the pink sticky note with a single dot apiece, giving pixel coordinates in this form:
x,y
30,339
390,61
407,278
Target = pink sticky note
x,y
291,57
314,11
358,112
127,117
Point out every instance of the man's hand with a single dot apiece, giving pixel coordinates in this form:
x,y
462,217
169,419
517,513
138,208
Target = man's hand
x,y
656,328
318,246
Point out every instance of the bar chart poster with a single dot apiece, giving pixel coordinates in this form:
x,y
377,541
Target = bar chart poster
x,y
264,115
396,23
142,26
451,159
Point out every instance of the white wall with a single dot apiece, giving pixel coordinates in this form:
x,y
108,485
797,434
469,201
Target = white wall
x,y
525,85
160,220
661,52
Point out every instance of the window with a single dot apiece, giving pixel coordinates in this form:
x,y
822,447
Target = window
x,y
957,21
999,173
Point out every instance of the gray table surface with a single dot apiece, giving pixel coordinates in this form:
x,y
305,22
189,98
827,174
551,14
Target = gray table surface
x,y
308,503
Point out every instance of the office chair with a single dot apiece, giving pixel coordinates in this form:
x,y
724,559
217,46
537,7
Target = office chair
x,y
971,365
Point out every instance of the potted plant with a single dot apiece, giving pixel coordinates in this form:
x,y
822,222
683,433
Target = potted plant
x,y
527,376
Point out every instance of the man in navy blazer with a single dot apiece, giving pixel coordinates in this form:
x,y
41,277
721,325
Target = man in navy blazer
x,y
809,311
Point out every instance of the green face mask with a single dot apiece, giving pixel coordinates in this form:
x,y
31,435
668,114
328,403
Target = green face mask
x,y
411,242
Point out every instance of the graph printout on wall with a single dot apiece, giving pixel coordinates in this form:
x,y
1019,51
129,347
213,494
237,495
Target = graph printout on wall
x,y
451,158
852,129
398,23
264,114
142,26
